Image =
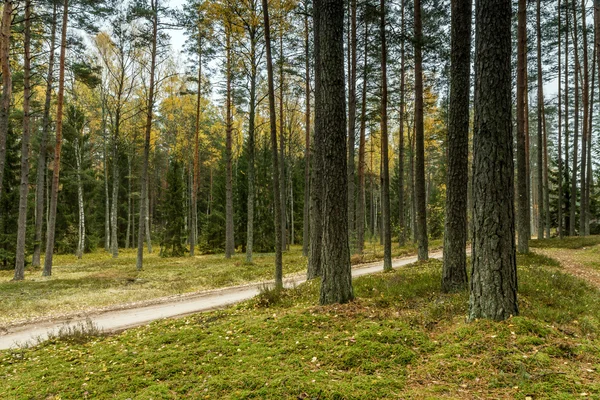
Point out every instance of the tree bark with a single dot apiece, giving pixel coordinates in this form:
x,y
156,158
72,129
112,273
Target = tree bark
x,y
143,225
540,126
59,127
385,176
401,207
282,172
361,206
420,196
573,205
566,170
24,187
560,111
336,286
41,162
114,224
81,222
494,272
585,132
307,155
352,120
251,129
454,271
523,218
5,36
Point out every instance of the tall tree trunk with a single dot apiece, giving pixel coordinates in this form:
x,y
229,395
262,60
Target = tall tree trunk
x,y
306,213
522,159
540,126
41,162
273,126
106,191
560,111
229,239
147,224
352,119
196,173
566,170
588,175
361,206
251,128
336,286
59,127
143,225
454,275
585,132
81,224
420,197
129,207
494,272
24,187
114,222
401,208
282,180
5,36
385,176
573,205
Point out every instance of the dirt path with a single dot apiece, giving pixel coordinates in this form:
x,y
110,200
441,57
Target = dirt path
x,y
121,319
573,262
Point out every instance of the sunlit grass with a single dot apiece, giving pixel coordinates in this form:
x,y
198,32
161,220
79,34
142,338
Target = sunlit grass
x,y
98,280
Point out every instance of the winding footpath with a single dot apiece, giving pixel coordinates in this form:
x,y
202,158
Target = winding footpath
x,y
121,319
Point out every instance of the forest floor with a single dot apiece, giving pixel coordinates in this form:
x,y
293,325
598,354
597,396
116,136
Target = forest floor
x,y
99,282
401,338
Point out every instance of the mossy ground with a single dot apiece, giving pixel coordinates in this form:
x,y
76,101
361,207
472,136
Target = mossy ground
x,y
98,280
401,338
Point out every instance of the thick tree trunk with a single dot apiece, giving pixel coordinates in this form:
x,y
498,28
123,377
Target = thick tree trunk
x,y
5,41
420,197
306,213
273,126
352,120
41,162
494,272
336,286
401,208
523,219
454,273
560,161
24,187
59,127
143,221
385,176
573,205
361,201
229,239
540,126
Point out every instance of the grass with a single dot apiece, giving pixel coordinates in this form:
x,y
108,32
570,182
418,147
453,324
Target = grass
x,y
100,281
401,338
572,243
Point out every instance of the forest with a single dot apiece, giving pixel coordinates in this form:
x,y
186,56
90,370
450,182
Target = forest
x,y
160,148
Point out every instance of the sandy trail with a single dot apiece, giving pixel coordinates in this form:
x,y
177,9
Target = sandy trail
x,y
121,319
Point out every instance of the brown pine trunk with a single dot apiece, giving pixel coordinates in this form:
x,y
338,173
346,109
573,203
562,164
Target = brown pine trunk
x,y
5,36
560,111
59,127
454,273
573,205
494,272
336,286
540,126
41,162
24,187
306,212
385,176
143,221
273,126
566,170
585,132
523,219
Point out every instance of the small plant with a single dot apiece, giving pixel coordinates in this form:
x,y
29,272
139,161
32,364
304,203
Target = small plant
x,y
81,332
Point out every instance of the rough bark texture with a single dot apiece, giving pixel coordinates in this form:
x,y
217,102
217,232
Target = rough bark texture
x,y
5,40
352,119
306,212
229,239
50,232
273,127
560,161
336,286
523,219
540,126
41,162
454,272
143,225
24,187
385,176
420,196
360,204
573,199
494,271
